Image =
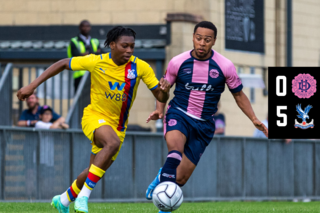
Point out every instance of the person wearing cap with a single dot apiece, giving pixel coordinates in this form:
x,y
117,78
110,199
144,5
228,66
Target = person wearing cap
x,y
31,116
45,118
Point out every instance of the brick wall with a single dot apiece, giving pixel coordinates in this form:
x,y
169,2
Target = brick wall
x,y
39,12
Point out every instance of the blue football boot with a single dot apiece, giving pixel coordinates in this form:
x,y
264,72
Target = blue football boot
x,y
153,185
56,203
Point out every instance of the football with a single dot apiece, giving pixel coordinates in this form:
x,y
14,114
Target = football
x,y
167,196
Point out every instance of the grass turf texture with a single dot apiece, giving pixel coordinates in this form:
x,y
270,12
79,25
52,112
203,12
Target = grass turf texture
x,y
227,207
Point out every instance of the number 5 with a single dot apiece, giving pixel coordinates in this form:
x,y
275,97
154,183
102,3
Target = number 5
x,y
281,115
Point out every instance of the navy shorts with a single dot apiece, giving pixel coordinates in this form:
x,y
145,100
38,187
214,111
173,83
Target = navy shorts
x,y
199,133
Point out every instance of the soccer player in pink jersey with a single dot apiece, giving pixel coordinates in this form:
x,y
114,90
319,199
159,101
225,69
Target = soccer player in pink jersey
x,y
200,76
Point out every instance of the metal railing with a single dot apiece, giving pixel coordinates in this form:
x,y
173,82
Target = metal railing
x,y
57,88
6,96
38,164
57,92
80,101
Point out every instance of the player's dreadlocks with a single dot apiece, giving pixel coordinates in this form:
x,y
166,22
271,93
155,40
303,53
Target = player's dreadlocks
x,y
208,25
116,32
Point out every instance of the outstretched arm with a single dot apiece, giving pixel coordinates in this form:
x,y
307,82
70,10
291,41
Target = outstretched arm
x,y
53,70
158,113
244,104
161,93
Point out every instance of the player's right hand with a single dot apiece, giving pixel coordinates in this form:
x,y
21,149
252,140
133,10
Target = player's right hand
x,y
155,115
259,125
25,92
164,85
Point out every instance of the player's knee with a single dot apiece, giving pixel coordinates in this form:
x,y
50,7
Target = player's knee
x,y
113,145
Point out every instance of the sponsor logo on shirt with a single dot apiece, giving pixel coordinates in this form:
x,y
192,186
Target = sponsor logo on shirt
x,y
204,87
124,97
116,96
116,85
168,175
187,71
131,74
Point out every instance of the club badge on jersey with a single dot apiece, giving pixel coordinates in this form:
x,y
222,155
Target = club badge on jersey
x,y
131,74
214,73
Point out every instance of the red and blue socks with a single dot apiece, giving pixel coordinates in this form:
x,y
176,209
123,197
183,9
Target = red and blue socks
x,y
95,174
70,195
169,169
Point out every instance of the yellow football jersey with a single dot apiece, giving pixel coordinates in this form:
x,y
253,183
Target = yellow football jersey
x,y
113,87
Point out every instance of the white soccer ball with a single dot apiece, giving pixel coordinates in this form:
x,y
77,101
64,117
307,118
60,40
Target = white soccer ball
x,y
167,196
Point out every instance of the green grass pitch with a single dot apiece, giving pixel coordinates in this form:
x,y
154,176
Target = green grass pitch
x,y
226,207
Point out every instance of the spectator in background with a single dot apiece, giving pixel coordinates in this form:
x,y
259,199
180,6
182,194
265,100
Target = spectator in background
x,y
30,116
219,121
82,45
45,118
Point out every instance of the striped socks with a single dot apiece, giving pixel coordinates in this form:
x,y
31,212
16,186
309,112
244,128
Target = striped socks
x,y
169,169
94,176
70,195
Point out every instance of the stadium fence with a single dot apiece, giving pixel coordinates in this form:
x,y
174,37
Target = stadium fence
x,y
58,92
38,164
6,95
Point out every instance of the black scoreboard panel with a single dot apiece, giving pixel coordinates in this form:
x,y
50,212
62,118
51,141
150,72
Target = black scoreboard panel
x,y
294,102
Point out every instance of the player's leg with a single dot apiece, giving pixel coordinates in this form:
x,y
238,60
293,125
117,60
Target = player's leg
x,y
175,148
62,202
184,170
201,134
175,142
175,131
106,139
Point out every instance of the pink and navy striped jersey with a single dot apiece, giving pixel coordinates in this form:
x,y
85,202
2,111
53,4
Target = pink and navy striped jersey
x,y
199,83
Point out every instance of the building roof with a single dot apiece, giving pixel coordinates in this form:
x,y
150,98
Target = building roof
x,y
51,42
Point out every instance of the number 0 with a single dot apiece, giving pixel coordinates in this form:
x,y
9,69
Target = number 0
x,y
281,115
284,83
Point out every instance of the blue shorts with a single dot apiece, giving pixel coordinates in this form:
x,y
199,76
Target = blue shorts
x,y
198,133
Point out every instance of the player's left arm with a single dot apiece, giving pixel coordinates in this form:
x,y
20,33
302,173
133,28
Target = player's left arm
x,y
245,105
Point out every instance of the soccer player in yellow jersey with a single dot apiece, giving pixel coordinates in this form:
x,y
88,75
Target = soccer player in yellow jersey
x,y
115,78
